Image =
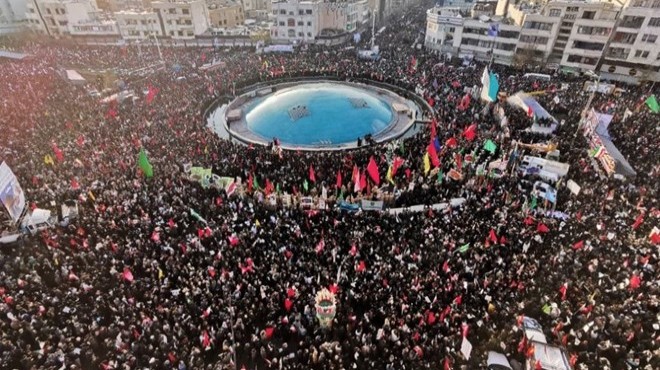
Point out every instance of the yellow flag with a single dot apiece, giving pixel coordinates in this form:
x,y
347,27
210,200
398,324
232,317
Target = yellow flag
x,y
91,195
427,163
257,223
389,175
48,160
161,275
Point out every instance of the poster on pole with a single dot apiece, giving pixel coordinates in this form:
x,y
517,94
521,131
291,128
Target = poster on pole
x,y
466,348
11,194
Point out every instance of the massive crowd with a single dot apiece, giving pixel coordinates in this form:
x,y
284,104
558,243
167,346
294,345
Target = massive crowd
x,y
136,282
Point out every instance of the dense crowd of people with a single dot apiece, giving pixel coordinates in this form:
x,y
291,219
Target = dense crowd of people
x,y
137,282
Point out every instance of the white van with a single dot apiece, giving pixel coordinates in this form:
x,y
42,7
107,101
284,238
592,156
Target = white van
x,y
545,191
548,356
533,330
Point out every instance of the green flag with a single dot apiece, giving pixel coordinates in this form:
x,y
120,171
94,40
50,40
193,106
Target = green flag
x,y
440,176
144,165
305,185
341,196
546,309
653,104
197,216
490,146
464,248
533,205
277,188
255,184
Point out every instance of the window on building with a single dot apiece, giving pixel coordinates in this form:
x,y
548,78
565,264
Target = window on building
x,y
309,23
618,53
188,22
291,33
630,21
275,12
656,4
572,58
300,34
180,33
641,54
654,22
308,11
624,37
62,23
555,12
190,34
572,9
649,38
543,26
301,23
640,3
283,11
281,23
309,34
301,12
48,11
584,45
185,11
291,22
570,16
172,10
589,15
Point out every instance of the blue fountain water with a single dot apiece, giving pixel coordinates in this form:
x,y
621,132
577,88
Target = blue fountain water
x,y
318,114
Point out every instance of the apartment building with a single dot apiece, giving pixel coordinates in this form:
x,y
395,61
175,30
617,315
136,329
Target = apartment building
x,y
452,31
12,16
225,14
119,5
54,17
138,24
182,19
295,21
634,49
256,8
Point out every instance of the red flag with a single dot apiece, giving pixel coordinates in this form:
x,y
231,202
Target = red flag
x,y
471,132
451,142
655,238
372,169
459,160
493,236
529,221
538,365
288,304
530,351
408,173
363,181
430,317
249,184
353,250
312,175
446,365
579,245
333,288
445,266
211,270
267,187
541,228
530,112
563,290
433,154
338,184
268,332
206,341
320,246
458,300
291,292
396,163
74,184
573,359
635,282
155,236
522,344
127,275
171,357
80,140
465,329
171,224
638,221
151,94
361,267
433,123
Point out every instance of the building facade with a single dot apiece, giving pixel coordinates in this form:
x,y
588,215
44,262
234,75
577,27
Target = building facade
x,y
182,19
54,17
12,16
138,24
225,14
295,21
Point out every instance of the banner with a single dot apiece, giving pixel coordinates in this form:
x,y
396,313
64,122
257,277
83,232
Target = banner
x,y
573,187
371,205
11,194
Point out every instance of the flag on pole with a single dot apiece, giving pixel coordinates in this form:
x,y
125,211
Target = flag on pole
x,y
490,86
372,169
338,184
490,146
396,163
427,163
151,94
653,104
470,132
464,248
433,155
196,215
312,175
305,185
144,165
48,160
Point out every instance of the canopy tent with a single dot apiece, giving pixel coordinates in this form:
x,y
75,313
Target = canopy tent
x,y
12,55
530,105
74,77
620,164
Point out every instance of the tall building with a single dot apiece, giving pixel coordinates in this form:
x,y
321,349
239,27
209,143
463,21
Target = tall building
x,y
54,17
634,49
225,14
138,24
182,19
12,15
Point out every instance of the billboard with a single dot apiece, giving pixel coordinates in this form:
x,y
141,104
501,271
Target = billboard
x,y
11,194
